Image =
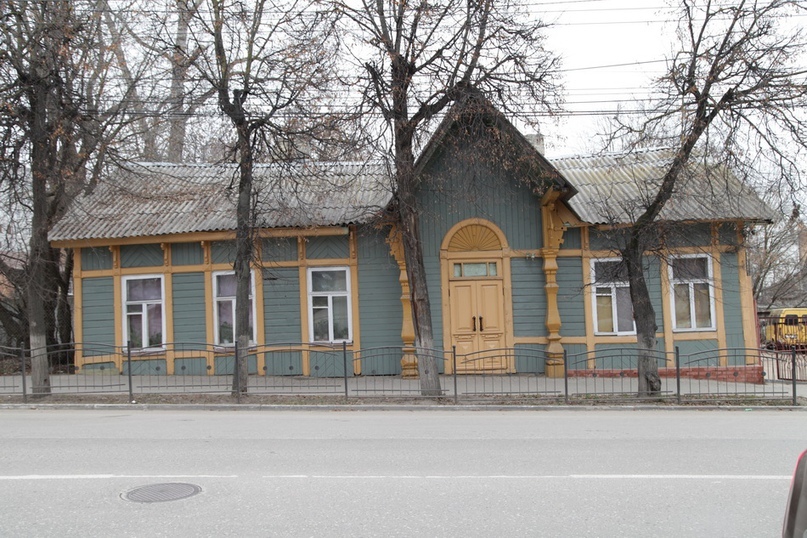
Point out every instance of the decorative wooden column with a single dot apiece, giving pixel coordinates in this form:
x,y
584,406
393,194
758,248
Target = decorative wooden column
x,y
553,239
409,361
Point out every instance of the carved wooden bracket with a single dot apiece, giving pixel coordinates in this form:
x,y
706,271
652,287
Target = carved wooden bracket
x,y
115,256
166,249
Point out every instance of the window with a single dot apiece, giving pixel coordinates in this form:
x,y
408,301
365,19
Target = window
x,y
693,301
224,286
613,311
143,300
329,305
475,269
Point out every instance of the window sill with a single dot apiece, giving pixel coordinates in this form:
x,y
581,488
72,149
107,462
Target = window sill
x,y
146,351
615,334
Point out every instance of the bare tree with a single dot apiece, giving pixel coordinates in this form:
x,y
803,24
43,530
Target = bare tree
x,y
60,110
777,262
168,102
735,95
416,58
264,60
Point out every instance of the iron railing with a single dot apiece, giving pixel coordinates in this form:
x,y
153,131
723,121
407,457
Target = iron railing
x,y
522,374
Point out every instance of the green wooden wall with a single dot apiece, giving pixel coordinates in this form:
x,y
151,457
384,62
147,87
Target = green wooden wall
x,y
696,353
327,247
222,251
96,259
141,255
529,297
281,303
571,296
279,249
732,306
380,306
187,254
189,310
98,314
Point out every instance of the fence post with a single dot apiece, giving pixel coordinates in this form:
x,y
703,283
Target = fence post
x,y
129,368
454,373
565,377
678,374
344,367
793,365
237,374
24,383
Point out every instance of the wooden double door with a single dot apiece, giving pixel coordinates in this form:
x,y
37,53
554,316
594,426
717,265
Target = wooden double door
x,y
477,324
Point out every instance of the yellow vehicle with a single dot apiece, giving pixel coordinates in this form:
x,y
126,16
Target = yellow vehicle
x,y
784,328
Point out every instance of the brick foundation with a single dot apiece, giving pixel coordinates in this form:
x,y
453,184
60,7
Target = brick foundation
x,y
731,374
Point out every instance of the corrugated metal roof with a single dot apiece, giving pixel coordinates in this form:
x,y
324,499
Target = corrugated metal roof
x,y
616,188
158,199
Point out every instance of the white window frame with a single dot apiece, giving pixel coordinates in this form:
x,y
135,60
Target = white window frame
x,y
614,309
330,295
691,281
144,323
216,300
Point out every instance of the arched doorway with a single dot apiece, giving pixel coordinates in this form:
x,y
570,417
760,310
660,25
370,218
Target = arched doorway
x,y
476,306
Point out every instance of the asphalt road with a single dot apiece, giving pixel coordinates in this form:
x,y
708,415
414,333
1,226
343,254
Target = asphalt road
x,y
398,473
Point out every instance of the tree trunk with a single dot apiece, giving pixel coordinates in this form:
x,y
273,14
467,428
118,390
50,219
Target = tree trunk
x,y
421,306
645,317
415,268
243,258
39,248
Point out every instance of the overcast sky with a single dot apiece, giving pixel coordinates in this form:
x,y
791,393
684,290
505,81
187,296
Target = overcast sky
x,y
611,50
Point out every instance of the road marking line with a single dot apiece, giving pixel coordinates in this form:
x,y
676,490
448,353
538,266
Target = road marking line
x,y
412,477
107,476
534,477
684,476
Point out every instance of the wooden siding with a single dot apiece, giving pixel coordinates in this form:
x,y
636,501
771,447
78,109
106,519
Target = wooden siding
x,y
529,359
605,239
222,251
141,255
620,356
456,190
572,239
571,296
279,249
281,306
333,247
576,356
330,363
732,307
225,364
96,259
98,313
379,301
145,367
689,235
283,363
688,347
529,297
187,254
190,366
727,233
189,308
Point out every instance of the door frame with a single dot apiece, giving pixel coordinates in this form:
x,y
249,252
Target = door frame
x,y
476,240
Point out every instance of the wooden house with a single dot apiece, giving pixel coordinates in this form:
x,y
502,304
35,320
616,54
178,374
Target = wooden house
x,y
519,253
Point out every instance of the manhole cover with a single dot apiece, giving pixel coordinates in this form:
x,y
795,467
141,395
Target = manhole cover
x,y
158,493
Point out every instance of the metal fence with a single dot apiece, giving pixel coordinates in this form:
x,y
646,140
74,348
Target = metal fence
x,y
512,375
